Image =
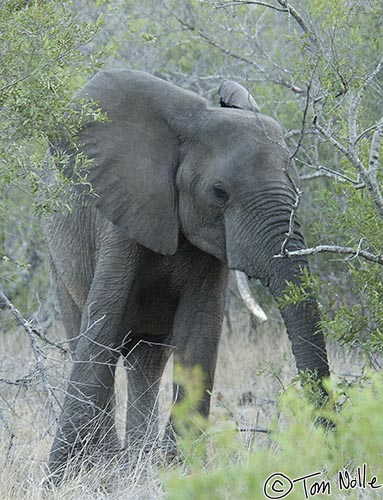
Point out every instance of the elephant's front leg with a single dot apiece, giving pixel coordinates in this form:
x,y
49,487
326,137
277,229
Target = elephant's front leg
x,y
196,334
87,418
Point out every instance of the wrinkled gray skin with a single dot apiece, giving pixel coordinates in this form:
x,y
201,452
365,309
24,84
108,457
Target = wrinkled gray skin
x,y
183,193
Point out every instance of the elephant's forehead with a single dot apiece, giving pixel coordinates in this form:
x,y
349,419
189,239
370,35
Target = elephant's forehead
x,y
245,136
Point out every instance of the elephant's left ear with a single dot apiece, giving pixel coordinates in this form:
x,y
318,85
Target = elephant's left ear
x,y
233,95
136,153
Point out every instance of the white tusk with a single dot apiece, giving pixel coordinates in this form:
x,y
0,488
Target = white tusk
x,y
248,299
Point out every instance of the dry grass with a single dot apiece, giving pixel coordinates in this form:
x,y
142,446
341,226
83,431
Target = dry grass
x,y
252,370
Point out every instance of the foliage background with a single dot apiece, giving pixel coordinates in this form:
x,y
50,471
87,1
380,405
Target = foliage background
x,y
315,66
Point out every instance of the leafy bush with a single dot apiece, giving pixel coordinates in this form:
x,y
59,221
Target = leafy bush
x,y
43,65
221,468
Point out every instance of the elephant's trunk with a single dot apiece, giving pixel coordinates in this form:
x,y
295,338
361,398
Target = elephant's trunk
x,y
252,243
302,319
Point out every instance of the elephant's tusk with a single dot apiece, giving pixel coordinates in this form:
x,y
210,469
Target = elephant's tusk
x,y
248,299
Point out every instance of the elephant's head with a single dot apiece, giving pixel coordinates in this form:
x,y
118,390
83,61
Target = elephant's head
x,y
166,163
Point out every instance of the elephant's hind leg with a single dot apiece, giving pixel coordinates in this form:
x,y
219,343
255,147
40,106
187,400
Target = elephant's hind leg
x,y
145,362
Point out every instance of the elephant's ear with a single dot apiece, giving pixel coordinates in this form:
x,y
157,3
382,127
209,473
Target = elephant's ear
x,y
136,154
233,95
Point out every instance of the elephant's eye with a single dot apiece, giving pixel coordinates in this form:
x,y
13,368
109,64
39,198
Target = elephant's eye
x,y
220,193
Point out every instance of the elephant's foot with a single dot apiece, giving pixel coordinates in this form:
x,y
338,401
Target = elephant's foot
x,y
149,449
142,448
170,450
68,456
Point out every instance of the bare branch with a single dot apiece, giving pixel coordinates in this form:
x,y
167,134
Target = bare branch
x,y
367,177
290,232
261,430
316,43
352,116
317,175
299,19
377,259
286,7
367,131
291,86
23,381
368,82
212,42
328,172
279,81
35,347
292,133
375,149
355,99
222,5
45,339
42,336
305,111
305,27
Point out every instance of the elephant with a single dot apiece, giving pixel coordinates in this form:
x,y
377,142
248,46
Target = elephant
x,y
182,192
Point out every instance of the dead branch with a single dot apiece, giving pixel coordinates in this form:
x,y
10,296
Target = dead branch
x,y
367,83
323,171
213,43
222,5
368,178
261,430
375,149
290,232
298,18
355,99
38,355
304,116
4,303
377,259
366,132
23,381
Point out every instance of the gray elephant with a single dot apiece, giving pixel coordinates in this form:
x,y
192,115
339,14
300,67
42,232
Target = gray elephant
x,y
183,192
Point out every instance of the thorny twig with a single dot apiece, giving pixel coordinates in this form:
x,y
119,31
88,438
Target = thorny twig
x,y
5,304
290,232
10,434
23,381
35,348
305,111
44,338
